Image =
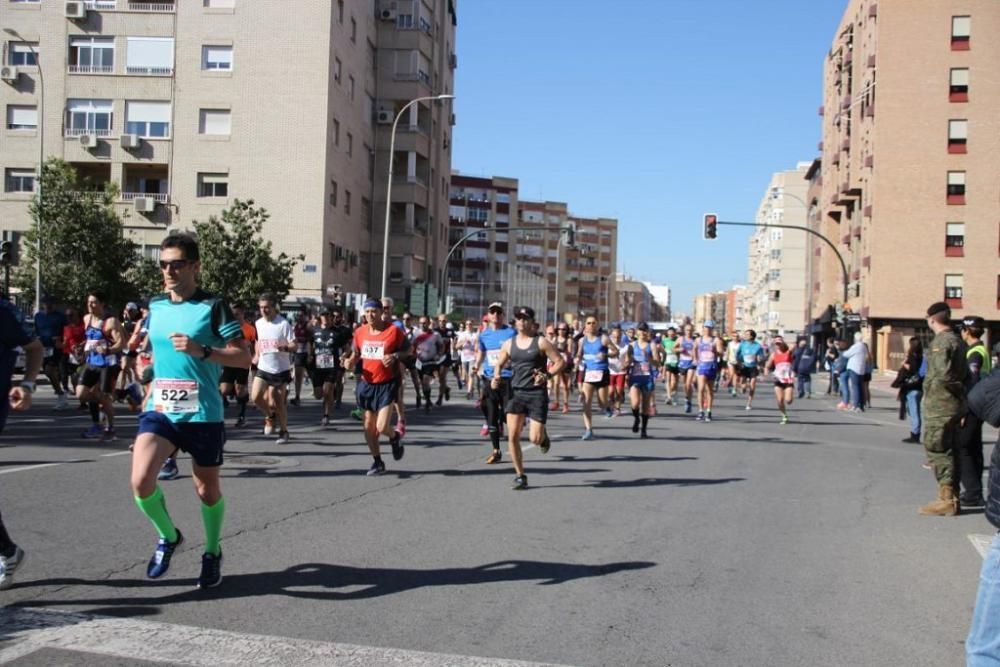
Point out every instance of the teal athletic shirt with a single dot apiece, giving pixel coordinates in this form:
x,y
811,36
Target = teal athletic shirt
x,y
185,387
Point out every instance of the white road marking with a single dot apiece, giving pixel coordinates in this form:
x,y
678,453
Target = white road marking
x,y
117,453
981,543
28,631
40,465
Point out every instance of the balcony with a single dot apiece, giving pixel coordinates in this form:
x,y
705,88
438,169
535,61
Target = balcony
x,y
71,132
873,10
155,7
159,197
90,69
142,70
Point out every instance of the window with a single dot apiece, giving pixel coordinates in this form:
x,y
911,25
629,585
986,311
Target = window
x,y
404,21
953,290
354,31
150,55
350,144
347,202
219,58
220,4
21,54
151,252
213,185
776,253
91,55
147,119
88,117
774,274
340,11
338,69
958,90
961,27
333,193
22,117
954,240
774,295
19,180
956,187
215,122
958,135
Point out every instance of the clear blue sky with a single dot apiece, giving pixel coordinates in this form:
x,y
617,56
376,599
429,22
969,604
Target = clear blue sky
x,y
651,112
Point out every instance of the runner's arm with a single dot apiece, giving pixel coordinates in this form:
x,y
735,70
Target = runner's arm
x,y
113,328
558,362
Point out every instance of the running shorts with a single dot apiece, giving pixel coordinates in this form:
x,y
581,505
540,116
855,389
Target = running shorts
x,y
603,382
275,379
749,372
784,384
323,376
428,368
708,370
231,375
617,381
102,377
672,369
204,441
372,397
645,383
533,403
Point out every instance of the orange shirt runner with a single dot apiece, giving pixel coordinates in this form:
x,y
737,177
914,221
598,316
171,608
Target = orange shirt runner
x,y
373,347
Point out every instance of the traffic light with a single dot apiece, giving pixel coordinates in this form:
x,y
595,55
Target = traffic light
x,y
569,237
711,221
7,252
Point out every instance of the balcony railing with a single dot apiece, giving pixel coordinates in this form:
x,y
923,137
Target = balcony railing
x,y
91,69
80,131
142,70
100,4
152,7
132,196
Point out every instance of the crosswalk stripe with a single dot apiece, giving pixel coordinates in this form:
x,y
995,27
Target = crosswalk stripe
x,y
981,543
27,631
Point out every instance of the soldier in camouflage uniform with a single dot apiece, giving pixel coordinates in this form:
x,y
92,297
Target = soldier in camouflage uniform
x,y
943,407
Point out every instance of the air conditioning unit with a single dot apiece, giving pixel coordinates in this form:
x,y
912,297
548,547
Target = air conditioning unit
x,y
385,117
130,141
88,140
9,74
75,10
144,204
387,14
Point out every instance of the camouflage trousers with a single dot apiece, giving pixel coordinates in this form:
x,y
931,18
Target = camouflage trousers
x,y
940,439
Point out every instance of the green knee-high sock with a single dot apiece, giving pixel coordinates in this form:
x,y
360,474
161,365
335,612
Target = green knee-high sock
x,y
211,516
154,506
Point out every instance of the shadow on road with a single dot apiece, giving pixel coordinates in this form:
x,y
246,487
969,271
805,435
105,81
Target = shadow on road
x,y
271,473
770,440
615,458
646,481
321,581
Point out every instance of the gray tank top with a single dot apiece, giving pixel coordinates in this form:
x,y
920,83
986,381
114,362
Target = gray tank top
x,y
524,363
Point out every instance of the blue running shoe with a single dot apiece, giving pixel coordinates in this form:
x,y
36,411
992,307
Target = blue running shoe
x,y
169,470
211,571
94,432
588,435
160,562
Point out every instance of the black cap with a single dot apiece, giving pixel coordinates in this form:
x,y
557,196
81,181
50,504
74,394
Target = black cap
x,y
642,327
495,307
974,321
939,307
524,312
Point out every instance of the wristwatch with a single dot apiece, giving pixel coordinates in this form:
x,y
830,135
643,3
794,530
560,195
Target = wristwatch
x,y
30,386
206,351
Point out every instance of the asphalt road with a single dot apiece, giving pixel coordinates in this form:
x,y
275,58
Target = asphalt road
x,y
740,542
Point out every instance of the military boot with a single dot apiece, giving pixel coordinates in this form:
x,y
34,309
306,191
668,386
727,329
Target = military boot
x,y
945,505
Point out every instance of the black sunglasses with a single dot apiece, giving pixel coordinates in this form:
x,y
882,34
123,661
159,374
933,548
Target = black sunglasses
x,y
173,264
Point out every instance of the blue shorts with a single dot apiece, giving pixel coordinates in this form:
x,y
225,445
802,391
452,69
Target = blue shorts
x,y
708,370
374,397
645,383
204,441
686,366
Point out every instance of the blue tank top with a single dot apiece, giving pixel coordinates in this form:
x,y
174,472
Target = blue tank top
x,y
685,350
95,345
641,366
490,342
595,354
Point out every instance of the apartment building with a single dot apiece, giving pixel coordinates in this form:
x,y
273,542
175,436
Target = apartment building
x,y
776,293
183,106
520,256
661,301
634,300
907,179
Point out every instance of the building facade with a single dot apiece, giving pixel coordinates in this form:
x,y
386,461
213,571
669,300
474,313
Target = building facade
x,y
178,104
634,301
520,255
908,169
776,291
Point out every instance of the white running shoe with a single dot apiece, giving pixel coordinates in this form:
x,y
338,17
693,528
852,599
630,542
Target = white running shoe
x,y
8,566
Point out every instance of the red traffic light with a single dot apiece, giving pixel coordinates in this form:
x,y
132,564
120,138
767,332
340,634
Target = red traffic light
x,y
711,221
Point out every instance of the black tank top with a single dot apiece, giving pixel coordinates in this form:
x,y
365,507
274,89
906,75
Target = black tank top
x,y
524,363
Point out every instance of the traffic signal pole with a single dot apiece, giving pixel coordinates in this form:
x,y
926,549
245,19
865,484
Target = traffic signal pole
x,y
843,265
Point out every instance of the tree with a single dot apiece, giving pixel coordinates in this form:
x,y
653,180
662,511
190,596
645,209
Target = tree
x,y
84,247
145,278
237,263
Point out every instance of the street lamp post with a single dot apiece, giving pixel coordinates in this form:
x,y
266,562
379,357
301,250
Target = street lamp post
x,y
41,163
388,187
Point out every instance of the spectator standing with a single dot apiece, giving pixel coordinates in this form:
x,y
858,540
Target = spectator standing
x,y
969,453
910,383
857,356
804,359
